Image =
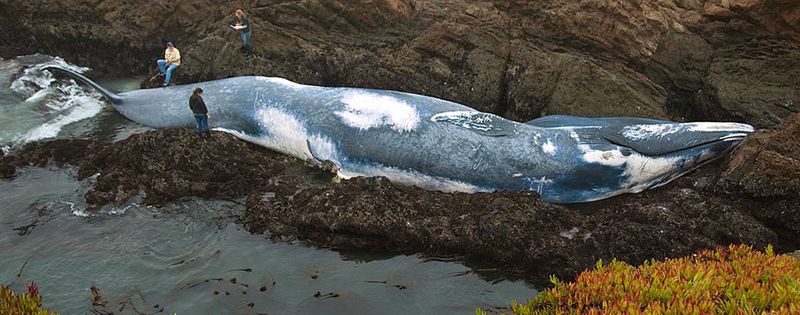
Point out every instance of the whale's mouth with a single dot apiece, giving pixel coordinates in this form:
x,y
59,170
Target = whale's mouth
x,y
734,137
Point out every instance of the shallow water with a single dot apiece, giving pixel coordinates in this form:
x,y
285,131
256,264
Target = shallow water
x,y
183,257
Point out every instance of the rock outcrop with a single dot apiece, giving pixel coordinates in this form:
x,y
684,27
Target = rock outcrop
x,y
678,59
164,165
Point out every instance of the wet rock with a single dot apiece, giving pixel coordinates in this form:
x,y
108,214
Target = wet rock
x,y
767,164
166,165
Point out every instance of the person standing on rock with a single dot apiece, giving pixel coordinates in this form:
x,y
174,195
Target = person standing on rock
x,y
200,111
172,59
243,25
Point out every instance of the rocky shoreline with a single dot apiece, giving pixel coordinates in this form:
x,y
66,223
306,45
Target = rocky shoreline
x,y
751,197
165,165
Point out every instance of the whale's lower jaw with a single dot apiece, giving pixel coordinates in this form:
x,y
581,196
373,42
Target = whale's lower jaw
x,y
728,143
571,191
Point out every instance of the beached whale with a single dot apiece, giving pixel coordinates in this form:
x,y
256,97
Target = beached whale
x,y
437,144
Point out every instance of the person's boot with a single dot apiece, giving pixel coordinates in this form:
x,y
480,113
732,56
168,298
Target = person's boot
x,y
208,135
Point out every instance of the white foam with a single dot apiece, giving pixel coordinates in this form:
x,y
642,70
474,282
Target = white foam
x,y
81,213
120,211
33,79
72,103
78,105
77,212
38,96
366,110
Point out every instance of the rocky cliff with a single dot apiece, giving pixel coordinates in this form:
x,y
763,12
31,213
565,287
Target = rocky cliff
x,y
678,59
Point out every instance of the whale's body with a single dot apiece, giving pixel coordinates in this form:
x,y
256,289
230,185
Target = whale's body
x,y
437,144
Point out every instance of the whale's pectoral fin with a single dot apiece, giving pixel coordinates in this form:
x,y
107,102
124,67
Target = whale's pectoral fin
x,y
326,165
482,123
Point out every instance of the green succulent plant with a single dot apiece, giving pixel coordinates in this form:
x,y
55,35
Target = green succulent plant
x,y
728,280
29,303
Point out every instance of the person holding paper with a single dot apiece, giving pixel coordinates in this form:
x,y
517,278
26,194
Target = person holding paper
x,y
243,26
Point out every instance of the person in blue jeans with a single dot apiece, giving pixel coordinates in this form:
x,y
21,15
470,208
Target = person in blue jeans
x,y
172,59
200,111
243,26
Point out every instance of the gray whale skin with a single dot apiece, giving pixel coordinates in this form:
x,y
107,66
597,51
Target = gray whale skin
x,y
436,144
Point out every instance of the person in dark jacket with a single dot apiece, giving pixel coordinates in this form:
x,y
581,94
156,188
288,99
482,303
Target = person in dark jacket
x,y
200,111
243,26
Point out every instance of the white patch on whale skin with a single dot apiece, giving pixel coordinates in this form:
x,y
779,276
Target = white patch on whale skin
x,y
549,148
574,135
287,135
718,127
482,123
641,170
414,178
638,132
283,82
365,111
467,119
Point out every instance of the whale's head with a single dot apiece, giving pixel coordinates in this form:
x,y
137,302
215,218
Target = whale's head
x,y
616,157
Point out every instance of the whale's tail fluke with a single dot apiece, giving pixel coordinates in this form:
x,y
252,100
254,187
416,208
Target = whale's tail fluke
x,y
113,97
